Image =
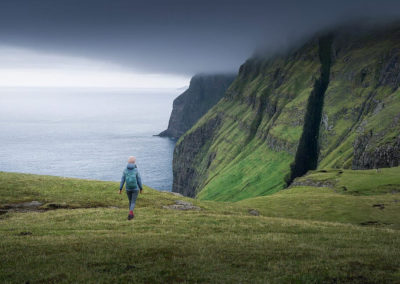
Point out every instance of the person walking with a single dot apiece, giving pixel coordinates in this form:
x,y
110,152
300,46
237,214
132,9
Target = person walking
x,y
133,186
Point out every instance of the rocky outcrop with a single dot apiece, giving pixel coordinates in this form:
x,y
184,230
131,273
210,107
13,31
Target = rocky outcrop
x,y
390,71
313,183
182,205
367,156
203,93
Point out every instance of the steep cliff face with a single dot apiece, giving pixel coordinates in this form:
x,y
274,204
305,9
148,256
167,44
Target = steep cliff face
x,y
261,118
203,93
186,178
308,148
332,103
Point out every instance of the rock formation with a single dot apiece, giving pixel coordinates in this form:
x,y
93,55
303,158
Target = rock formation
x,y
203,93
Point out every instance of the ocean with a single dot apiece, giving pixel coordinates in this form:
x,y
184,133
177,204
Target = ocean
x,y
86,133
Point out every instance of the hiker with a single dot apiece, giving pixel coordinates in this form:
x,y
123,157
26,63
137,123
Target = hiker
x,y
133,182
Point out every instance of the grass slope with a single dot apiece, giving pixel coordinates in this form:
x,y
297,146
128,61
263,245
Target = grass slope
x,y
291,242
362,197
244,177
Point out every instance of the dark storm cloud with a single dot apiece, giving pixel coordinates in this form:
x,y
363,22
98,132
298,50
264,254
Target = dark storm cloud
x,y
174,36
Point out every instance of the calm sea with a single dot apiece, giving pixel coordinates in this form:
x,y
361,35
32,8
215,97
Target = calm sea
x,y
86,133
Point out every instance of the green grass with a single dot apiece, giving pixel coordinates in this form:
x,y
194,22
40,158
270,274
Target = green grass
x,y
361,182
309,203
303,234
244,178
76,193
345,196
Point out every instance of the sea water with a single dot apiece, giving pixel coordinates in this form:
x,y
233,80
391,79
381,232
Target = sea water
x,y
86,133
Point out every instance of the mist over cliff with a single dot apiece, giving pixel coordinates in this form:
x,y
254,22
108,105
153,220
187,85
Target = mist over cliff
x,y
333,102
203,93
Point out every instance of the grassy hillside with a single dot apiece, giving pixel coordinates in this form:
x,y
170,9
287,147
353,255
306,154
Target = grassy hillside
x,y
359,197
260,123
302,234
244,147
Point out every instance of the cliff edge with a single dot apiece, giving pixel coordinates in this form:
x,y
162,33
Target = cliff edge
x,y
203,93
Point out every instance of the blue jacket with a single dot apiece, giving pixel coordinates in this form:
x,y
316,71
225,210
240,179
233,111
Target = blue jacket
x,y
130,167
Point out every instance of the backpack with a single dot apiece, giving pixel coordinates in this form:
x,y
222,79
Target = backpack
x,y
130,178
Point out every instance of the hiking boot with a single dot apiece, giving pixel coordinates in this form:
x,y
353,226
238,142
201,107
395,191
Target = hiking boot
x,y
130,217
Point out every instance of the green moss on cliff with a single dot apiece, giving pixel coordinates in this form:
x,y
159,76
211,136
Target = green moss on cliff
x,y
245,176
359,99
263,116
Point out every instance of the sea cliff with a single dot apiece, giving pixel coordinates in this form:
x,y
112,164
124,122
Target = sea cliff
x,y
203,93
333,102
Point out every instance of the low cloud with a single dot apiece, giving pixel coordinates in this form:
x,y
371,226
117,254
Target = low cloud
x,y
27,68
175,36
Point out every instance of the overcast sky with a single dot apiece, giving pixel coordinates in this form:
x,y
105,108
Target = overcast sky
x,y
157,43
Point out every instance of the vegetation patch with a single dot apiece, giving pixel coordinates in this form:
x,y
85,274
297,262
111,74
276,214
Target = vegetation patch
x,y
302,234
